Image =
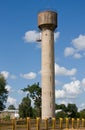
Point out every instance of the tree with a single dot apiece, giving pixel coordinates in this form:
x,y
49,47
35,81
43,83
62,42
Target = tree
x,y
61,106
11,107
25,109
60,114
67,111
34,93
82,113
3,92
72,110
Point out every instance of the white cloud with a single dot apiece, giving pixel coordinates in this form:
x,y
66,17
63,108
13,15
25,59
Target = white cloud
x,y
31,36
57,82
69,51
8,87
83,83
77,51
20,91
59,94
5,74
64,102
79,43
81,107
77,55
11,100
73,78
70,90
30,75
63,71
56,36
12,76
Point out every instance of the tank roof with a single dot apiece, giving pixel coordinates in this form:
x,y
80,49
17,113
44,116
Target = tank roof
x,y
47,19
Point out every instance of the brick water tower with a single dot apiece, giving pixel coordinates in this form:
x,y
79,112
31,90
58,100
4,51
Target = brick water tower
x,y
47,22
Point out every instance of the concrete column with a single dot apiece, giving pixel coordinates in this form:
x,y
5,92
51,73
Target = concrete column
x,y
47,22
48,85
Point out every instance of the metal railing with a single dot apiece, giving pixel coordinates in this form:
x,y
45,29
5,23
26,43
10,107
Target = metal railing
x,y
46,124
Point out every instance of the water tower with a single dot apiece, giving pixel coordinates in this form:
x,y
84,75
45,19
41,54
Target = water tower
x,y
47,23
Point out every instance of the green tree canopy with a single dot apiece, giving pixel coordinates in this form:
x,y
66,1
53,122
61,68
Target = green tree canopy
x,y
82,113
3,92
72,110
25,109
60,114
60,106
11,107
68,111
34,93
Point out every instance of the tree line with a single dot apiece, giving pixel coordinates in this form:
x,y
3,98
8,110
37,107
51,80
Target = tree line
x,y
30,105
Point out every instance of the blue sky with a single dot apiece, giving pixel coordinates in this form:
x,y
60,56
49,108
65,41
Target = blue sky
x,y
20,54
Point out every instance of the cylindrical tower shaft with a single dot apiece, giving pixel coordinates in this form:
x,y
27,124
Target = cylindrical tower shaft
x,y
47,23
48,86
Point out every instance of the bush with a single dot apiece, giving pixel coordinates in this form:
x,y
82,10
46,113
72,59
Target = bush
x,y
6,118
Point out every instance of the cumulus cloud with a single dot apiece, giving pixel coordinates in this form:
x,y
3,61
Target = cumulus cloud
x,y
77,51
59,94
64,102
11,100
83,83
8,87
81,107
77,55
32,36
73,78
69,51
5,74
79,43
63,71
30,75
57,82
70,90
20,91
56,36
